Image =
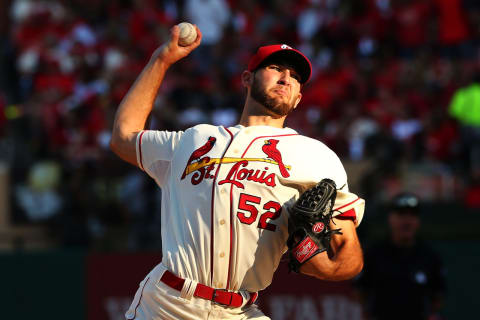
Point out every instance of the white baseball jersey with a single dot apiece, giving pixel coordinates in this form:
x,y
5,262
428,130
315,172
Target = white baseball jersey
x,y
224,197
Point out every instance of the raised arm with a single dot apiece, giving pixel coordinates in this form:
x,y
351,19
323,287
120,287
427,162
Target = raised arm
x,y
346,260
138,102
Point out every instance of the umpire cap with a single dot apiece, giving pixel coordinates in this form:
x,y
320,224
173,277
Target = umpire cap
x,y
405,201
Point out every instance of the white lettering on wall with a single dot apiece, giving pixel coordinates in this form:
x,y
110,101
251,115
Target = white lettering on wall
x,y
326,307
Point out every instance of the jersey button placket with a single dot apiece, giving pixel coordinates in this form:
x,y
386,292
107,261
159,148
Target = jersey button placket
x,y
222,230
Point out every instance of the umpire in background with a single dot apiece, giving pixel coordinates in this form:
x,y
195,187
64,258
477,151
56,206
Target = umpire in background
x,y
403,277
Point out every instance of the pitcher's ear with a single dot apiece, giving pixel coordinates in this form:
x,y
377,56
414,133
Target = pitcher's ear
x,y
299,97
247,78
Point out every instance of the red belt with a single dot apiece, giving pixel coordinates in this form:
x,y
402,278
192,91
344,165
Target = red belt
x,y
220,296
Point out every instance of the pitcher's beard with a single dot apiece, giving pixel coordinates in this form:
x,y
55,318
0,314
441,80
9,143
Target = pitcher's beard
x,y
278,109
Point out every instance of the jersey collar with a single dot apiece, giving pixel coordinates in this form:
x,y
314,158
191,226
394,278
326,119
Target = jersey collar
x,y
260,129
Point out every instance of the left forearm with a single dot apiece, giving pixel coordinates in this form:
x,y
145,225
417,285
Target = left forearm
x,y
346,259
345,264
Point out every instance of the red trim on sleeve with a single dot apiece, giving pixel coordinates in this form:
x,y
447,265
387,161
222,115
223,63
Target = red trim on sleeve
x,y
349,214
140,149
347,204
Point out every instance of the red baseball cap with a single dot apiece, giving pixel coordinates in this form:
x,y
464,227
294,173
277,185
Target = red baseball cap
x,y
298,59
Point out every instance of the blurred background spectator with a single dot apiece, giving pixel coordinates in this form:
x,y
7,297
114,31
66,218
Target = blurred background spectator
x,y
403,277
394,93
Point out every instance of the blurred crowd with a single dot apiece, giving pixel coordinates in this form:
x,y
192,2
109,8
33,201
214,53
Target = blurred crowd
x,y
396,83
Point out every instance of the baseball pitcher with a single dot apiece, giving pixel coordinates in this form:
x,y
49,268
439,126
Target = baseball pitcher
x,y
236,199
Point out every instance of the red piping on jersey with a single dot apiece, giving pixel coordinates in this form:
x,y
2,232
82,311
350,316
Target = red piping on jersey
x,y
347,204
140,149
231,237
231,203
212,215
282,135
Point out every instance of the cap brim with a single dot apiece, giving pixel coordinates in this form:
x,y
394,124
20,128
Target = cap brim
x,y
296,58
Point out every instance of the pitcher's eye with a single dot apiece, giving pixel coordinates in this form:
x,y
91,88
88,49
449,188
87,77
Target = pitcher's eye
x,y
296,77
274,67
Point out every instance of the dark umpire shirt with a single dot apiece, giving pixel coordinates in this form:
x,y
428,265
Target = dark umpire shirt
x,y
399,283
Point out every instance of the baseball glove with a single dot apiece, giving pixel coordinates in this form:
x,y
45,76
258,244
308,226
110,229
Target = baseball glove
x,y
309,223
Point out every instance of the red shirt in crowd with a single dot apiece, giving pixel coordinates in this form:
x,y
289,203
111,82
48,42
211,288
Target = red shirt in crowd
x,y
452,23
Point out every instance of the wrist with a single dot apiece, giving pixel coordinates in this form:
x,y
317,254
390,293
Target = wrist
x,y
158,66
159,58
303,249
319,266
159,61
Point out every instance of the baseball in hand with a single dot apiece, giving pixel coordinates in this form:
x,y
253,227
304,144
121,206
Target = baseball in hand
x,y
188,34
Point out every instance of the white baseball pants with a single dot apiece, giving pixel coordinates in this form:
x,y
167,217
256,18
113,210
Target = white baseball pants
x,y
154,300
